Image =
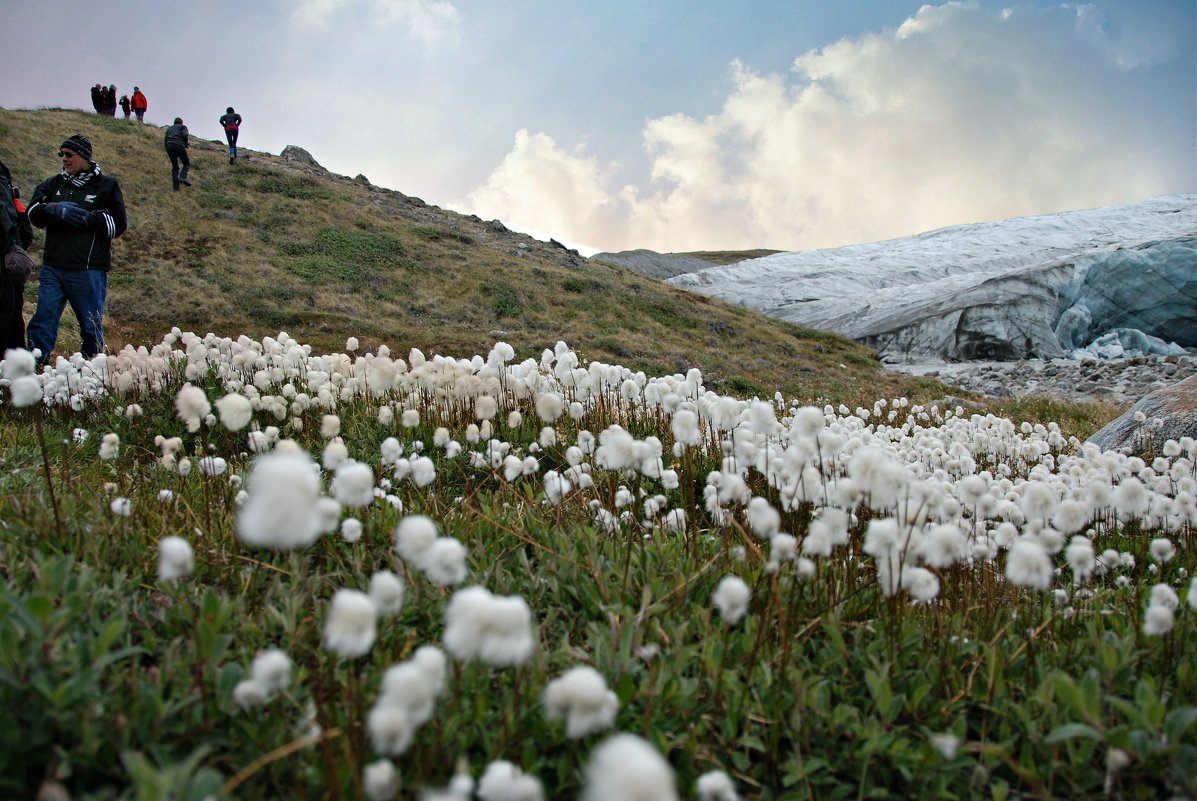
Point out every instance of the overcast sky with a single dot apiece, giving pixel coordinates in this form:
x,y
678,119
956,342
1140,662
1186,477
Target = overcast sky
x,y
671,124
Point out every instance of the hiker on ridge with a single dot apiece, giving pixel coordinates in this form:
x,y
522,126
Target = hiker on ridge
x,y
231,122
110,100
139,103
97,98
176,142
126,107
82,211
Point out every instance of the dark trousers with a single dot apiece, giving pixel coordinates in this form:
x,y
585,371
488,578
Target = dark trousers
x,y
12,302
178,154
231,135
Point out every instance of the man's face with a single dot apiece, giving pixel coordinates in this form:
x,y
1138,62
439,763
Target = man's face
x,y
72,161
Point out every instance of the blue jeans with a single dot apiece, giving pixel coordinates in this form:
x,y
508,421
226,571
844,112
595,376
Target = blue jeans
x,y
231,135
85,290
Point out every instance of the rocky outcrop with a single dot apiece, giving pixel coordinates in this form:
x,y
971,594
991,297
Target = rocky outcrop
x,y
1169,413
653,264
1104,283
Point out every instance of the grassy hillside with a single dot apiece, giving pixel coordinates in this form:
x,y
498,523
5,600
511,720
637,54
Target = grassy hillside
x,y
269,245
273,245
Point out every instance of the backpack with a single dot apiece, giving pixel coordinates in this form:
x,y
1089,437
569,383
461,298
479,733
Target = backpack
x,y
17,260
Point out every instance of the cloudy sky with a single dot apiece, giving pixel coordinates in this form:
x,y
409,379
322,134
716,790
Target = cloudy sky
x,y
667,124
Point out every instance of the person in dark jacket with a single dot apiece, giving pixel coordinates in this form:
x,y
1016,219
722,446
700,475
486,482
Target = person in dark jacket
x,y
82,211
176,147
110,100
97,98
126,107
14,230
231,122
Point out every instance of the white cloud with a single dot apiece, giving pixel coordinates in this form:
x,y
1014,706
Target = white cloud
x,y
959,115
426,20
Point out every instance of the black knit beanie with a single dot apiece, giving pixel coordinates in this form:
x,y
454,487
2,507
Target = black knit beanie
x,y
78,143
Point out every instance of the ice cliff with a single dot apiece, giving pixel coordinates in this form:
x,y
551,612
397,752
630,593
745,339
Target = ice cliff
x,y
1106,282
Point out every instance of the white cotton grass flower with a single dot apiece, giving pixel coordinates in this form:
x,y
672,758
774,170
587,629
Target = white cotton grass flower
x,y
1071,516
549,406
380,780
335,454
625,767
386,590
1029,565
110,447
731,598
485,407
248,693
330,426
582,698
192,406
488,628
175,559
354,484
351,344
212,466
406,685
1158,620
390,729
351,624
25,391
351,529
121,507
716,785
1162,550
235,411
763,517
19,362
944,545
423,471
1131,498
556,487
921,583
444,563
410,418
282,509
271,670
1080,558
1163,595
504,781
413,537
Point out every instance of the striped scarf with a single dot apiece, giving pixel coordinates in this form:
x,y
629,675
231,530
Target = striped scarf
x,y
83,176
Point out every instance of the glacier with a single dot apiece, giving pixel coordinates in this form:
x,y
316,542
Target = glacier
x,y
1100,283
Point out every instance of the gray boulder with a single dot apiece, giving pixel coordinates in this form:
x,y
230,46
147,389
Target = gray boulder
x,y
1175,407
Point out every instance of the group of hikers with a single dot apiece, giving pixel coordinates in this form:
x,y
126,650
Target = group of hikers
x,y
103,100
81,211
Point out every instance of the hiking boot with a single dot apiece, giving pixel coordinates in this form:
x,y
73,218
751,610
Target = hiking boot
x,y
184,182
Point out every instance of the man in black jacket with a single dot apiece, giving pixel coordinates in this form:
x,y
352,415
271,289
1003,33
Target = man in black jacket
x,y
176,141
82,211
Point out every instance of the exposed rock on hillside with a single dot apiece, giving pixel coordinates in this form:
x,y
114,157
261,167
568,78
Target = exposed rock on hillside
x,y
1109,282
1169,413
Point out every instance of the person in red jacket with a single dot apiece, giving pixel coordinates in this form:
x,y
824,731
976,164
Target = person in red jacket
x,y
139,103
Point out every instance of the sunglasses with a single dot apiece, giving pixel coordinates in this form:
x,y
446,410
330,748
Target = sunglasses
x,y
66,154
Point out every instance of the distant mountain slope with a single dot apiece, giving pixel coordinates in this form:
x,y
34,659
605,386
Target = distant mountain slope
x,y
1103,281
278,243
668,265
